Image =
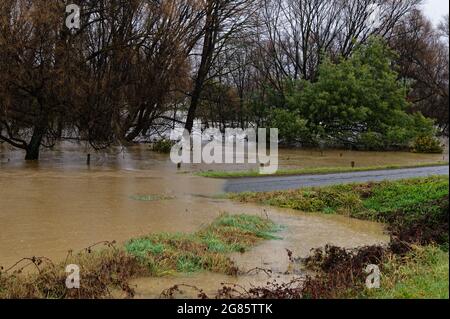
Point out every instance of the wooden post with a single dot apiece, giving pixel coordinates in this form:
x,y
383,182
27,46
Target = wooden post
x,y
88,160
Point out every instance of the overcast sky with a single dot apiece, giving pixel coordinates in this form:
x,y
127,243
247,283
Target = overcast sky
x,y
436,9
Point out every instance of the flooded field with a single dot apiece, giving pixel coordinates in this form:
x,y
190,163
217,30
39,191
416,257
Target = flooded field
x,y
58,204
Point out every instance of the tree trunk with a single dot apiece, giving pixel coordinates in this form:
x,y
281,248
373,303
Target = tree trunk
x,y
33,148
209,43
193,108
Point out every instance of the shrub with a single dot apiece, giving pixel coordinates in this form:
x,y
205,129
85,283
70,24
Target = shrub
x,y
399,137
163,146
371,141
427,144
292,128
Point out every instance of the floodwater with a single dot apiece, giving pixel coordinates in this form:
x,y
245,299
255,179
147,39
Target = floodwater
x,y
302,232
313,158
60,204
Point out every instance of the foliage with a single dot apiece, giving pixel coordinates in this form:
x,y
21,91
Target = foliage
x,y
262,105
219,102
371,141
358,101
422,273
292,129
58,84
423,61
103,270
163,146
427,144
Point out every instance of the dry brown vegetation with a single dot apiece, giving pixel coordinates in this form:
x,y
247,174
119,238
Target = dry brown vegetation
x,y
105,268
101,271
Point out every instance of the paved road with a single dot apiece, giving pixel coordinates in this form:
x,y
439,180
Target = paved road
x,y
267,184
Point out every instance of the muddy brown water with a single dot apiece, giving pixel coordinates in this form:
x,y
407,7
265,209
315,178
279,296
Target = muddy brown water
x,y
58,204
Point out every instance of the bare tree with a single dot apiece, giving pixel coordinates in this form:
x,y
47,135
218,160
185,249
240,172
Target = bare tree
x,y
444,27
32,59
423,62
223,19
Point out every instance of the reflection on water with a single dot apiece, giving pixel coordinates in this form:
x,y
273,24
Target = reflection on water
x,y
58,204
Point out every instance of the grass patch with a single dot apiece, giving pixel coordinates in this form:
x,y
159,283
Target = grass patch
x,y
331,199
204,250
388,197
414,209
422,273
414,265
312,171
110,269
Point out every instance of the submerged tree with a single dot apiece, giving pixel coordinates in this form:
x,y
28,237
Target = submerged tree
x,y
32,66
106,83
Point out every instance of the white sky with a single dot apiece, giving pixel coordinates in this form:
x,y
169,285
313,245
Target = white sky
x,y
436,9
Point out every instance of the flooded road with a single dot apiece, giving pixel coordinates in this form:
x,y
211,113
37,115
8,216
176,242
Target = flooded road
x,y
58,204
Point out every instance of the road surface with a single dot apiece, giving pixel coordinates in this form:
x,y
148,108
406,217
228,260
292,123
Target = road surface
x,y
275,183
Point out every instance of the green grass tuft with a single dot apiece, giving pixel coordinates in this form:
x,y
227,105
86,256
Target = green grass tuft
x,y
372,201
312,171
204,250
388,196
423,273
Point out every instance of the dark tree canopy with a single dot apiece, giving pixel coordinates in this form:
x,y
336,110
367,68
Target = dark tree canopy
x,y
137,68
